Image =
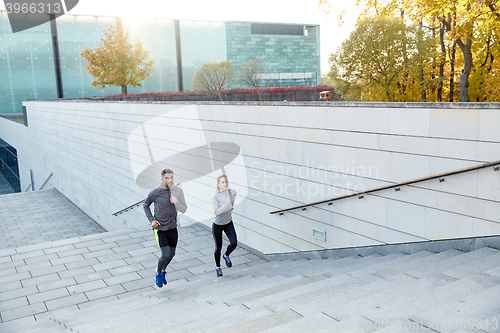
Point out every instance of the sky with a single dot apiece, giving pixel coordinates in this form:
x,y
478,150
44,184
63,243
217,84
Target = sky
x,y
277,11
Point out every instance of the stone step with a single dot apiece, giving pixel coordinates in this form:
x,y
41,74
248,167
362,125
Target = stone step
x,y
140,302
266,291
321,290
467,312
200,286
129,317
490,325
351,308
252,285
223,320
98,311
360,263
319,322
43,326
161,318
131,302
352,294
453,262
402,309
263,323
345,312
388,262
210,290
478,266
345,315
422,263
324,288
260,286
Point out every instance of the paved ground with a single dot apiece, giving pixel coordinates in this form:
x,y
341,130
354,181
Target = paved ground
x,y
5,188
104,283
39,217
80,272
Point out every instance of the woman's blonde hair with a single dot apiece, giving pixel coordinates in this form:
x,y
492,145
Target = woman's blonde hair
x,y
218,180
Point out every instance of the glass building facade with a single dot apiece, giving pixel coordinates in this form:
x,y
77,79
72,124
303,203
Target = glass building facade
x,y
28,63
9,168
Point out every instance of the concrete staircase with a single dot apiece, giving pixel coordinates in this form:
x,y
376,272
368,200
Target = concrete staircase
x,y
105,283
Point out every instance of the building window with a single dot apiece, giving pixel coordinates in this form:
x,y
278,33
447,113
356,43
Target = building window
x,y
277,29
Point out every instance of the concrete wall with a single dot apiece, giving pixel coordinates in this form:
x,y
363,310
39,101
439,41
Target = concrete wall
x,y
106,156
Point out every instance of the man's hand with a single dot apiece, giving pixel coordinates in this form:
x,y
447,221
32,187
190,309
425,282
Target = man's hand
x,y
173,199
155,224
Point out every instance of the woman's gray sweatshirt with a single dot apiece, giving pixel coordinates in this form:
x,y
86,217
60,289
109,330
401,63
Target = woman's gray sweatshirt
x,y
222,209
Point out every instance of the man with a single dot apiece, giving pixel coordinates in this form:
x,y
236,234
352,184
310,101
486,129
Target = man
x,y
168,199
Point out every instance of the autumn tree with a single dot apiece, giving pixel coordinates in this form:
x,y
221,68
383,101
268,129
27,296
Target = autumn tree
x,y
490,63
458,21
214,78
116,62
251,74
382,56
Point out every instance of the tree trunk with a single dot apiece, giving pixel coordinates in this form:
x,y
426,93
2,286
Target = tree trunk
x,y
124,92
433,68
464,76
260,95
423,94
441,64
388,94
452,71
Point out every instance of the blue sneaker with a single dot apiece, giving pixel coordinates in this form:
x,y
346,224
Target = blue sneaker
x,y
159,281
163,278
219,271
228,261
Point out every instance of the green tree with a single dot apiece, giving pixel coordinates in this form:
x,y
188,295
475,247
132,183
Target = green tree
x,y
378,57
116,62
251,74
214,77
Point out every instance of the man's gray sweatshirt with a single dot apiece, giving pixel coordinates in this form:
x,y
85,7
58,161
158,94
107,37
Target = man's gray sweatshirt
x,y
165,211
222,209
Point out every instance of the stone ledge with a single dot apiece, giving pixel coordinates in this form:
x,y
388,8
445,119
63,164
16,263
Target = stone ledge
x,y
392,105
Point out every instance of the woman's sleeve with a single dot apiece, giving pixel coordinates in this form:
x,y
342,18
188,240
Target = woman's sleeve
x,y
219,210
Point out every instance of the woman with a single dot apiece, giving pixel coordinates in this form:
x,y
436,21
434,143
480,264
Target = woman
x,y
223,202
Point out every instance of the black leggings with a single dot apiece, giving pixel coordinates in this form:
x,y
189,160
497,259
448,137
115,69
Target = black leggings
x,y
167,253
217,233
167,241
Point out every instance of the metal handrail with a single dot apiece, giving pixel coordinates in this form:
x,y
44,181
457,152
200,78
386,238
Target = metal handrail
x,y
134,205
5,163
129,207
360,194
46,181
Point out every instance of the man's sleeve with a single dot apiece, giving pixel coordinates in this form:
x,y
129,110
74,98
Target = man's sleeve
x,y
181,203
146,204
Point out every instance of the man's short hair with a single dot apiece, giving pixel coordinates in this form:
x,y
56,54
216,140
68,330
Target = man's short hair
x,y
165,171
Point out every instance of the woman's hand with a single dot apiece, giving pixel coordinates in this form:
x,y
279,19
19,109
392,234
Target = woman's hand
x,y
228,200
